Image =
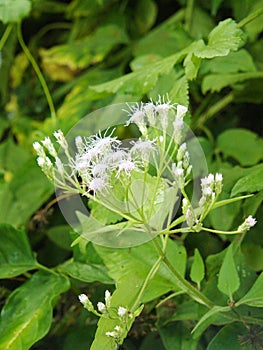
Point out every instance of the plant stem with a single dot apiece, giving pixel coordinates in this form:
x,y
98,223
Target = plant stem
x,y
148,279
185,286
189,14
6,35
213,110
38,73
168,298
220,232
250,18
182,283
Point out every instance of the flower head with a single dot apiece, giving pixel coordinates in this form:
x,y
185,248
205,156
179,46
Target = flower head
x,y
98,184
101,307
61,139
83,298
39,149
126,166
49,146
122,311
180,112
247,224
142,149
137,116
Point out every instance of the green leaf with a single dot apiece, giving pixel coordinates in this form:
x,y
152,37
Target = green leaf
x,y
145,15
208,319
247,148
254,297
197,272
254,255
122,296
229,337
177,336
192,64
23,196
225,37
240,61
86,272
89,50
102,214
12,157
27,316
174,35
216,82
228,279
14,10
141,81
60,235
180,92
16,256
253,182
138,261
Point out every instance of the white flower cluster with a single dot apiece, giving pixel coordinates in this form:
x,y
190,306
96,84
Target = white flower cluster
x,y
158,115
211,186
247,224
182,169
104,309
97,158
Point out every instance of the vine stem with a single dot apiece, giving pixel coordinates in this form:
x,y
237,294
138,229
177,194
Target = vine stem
x,y
6,35
148,279
189,14
213,110
38,73
220,232
182,283
250,18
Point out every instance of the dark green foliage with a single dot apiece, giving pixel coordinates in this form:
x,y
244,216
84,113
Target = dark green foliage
x,y
84,55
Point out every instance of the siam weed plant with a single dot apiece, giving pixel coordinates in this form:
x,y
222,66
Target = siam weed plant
x,y
145,183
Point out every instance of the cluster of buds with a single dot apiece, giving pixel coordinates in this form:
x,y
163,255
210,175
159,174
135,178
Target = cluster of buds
x,y
211,187
247,224
97,158
121,314
182,169
158,115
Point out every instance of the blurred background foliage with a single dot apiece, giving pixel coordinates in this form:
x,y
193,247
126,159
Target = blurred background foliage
x,y
61,60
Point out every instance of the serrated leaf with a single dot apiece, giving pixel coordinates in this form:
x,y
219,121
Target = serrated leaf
x,y
254,297
141,81
239,61
247,148
16,255
228,279
27,316
14,10
225,37
250,183
216,82
192,64
197,272
180,92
